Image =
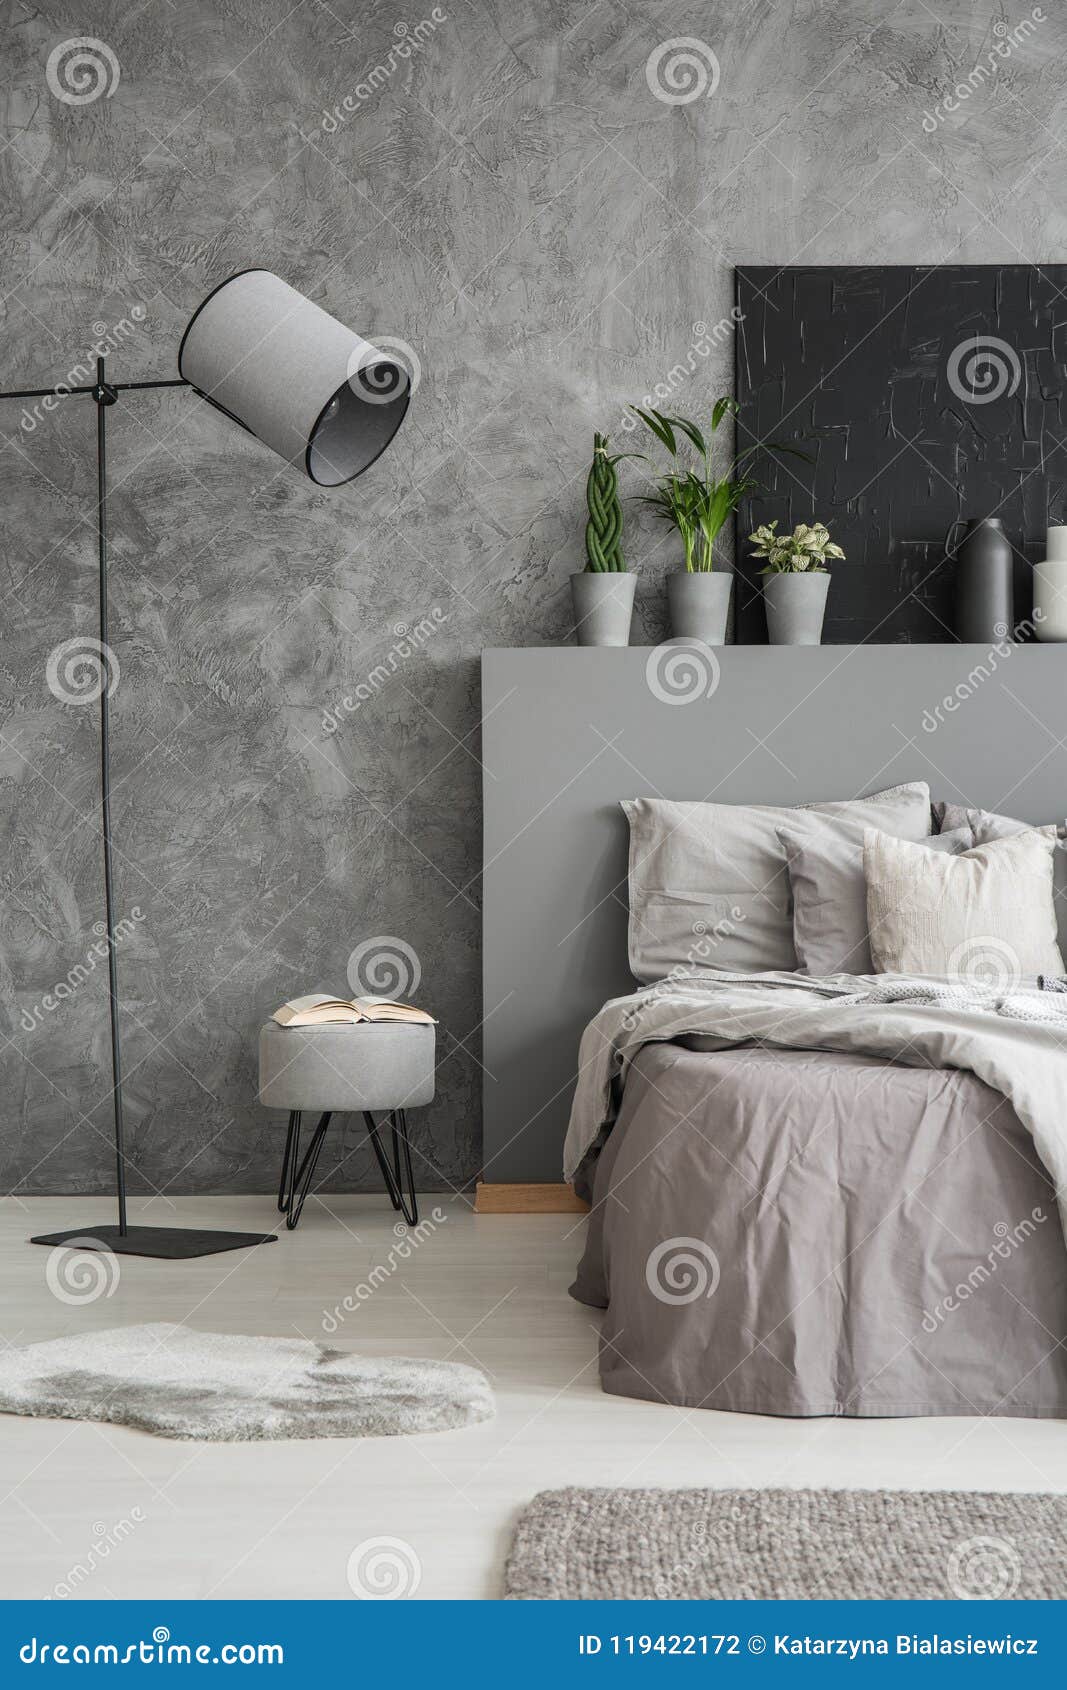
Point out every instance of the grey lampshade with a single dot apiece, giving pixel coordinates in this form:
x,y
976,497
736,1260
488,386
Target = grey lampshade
x,y
308,387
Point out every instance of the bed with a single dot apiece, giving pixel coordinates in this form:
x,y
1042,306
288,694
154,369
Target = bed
x,y
812,1193
809,1233
832,1193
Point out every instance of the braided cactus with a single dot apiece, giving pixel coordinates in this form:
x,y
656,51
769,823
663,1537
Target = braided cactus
x,y
603,531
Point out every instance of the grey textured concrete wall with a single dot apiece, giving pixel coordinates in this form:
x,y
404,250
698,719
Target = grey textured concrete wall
x,y
508,192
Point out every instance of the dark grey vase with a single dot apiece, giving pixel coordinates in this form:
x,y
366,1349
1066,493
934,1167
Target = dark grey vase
x,y
983,582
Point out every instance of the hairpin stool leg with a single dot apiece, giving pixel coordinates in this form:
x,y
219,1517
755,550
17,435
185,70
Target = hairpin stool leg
x,y
393,1176
402,1142
387,1172
291,1140
299,1174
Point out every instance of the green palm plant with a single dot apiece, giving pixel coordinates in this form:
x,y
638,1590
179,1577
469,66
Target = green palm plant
x,y
699,503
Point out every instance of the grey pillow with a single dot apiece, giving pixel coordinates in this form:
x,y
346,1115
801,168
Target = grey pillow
x,y
709,886
830,893
987,826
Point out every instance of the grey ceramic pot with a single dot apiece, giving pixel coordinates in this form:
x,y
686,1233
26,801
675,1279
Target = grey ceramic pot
x,y
699,602
796,604
603,606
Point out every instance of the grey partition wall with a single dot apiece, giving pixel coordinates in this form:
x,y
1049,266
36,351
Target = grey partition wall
x,y
567,733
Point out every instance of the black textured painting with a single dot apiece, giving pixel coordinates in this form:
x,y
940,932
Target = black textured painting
x,y
924,395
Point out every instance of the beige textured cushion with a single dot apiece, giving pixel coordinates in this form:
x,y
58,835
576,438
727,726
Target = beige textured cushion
x,y
986,826
985,915
709,887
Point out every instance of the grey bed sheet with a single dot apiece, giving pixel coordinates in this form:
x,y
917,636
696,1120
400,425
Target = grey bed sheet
x,y
812,1233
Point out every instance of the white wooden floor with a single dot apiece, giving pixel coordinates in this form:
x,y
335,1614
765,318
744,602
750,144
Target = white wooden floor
x,y
143,1517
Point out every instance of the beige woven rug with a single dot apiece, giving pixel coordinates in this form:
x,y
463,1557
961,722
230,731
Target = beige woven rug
x,y
817,1544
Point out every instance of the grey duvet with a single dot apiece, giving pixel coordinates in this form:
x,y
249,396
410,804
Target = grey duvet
x,y
797,1231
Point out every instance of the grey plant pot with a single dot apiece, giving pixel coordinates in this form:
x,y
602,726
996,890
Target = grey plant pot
x,y
796,604
699,602
603,606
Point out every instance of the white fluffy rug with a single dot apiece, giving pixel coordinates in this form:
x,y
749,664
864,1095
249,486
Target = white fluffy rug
x,y
212,1385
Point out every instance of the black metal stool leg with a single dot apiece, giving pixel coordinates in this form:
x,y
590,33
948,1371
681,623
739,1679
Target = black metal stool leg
x,y
406,1202
387,1173
300,1176
400,1130
291,1140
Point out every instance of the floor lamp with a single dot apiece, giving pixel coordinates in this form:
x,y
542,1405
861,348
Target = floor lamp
x,y
329,403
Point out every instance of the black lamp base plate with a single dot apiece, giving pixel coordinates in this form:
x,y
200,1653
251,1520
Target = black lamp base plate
x,y
171,1243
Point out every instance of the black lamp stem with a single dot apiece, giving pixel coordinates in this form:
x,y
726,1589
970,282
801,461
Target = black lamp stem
x,y
105,396
171,1243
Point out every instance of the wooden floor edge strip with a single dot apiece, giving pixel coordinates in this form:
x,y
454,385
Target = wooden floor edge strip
x,y
491,1198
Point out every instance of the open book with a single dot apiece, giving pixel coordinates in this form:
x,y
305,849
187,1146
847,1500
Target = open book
x,y
318,1010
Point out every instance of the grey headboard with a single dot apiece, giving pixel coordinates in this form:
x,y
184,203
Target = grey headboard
x,y
568,732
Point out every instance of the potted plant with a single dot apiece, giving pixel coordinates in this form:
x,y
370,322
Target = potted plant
x,y
697,504
603,593
795,580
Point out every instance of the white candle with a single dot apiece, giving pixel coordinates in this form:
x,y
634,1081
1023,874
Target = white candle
x,y
1050,597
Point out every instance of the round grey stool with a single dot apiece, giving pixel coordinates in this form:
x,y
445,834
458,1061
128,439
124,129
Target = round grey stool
x,y
339,1070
